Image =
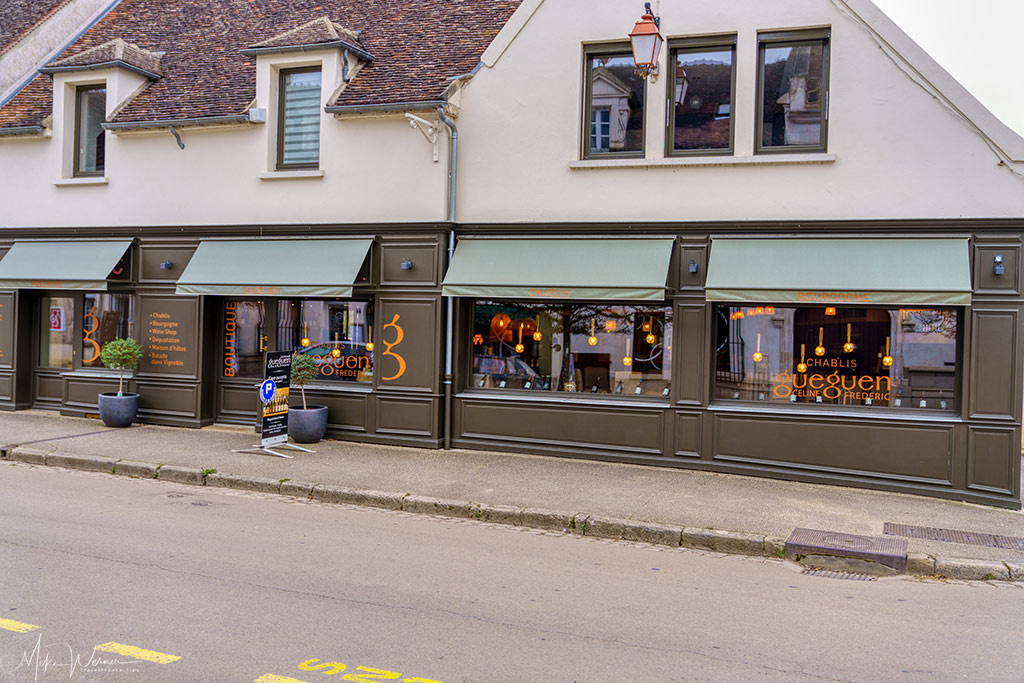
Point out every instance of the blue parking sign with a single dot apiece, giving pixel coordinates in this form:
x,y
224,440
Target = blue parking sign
x,y
267,390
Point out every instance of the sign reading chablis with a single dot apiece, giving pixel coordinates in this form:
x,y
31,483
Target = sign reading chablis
x,y
274,395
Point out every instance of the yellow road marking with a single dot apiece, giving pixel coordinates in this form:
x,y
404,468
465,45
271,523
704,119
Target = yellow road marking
x,y
271,678
137,653
17,626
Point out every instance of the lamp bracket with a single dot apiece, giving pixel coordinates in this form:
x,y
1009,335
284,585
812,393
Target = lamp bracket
x,y
431,130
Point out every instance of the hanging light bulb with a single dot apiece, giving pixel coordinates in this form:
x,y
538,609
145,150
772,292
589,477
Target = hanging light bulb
x,y
627,360
519,346
819,350
336,351
758,356
305,334
537,336
887,359
802,366
848,346
369,344
830,310
650,329
592,340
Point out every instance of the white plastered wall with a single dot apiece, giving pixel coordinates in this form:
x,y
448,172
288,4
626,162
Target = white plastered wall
x,y
375,170
898,152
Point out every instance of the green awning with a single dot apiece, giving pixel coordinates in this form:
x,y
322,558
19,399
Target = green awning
x,y
633,269
60,265
303,267
899,272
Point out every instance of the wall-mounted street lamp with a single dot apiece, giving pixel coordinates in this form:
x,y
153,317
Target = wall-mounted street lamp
x,y
646,40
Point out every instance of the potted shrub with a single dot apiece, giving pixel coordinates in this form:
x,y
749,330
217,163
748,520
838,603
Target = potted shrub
x,y
307,424
120,409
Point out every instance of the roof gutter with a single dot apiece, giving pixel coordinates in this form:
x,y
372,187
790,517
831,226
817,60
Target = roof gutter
x,y
50,70
422,105
21,130
178,123
309,47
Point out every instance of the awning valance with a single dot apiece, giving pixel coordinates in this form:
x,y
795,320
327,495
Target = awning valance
x,y
61,265
600,269
898,272
304,267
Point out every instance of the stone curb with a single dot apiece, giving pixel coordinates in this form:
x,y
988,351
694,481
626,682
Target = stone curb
x,y
581,524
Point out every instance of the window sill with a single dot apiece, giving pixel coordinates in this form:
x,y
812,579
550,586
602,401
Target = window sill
x,y
679,162
577,398
821,411
292,175
88,180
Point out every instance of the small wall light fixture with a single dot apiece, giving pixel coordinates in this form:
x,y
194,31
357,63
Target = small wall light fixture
x,y
693,266
998,268
406,264
167,265
646,40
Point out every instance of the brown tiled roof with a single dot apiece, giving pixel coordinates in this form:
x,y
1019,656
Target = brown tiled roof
x,y
417,44
115,50
18,17
321,30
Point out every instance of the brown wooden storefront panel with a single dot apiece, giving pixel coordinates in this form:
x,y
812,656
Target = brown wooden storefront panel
x,y
237,402
689,357
151,256
346,410
632,431
698,255
995,381
985,279
992,459
913,452
6,387
169,331
168,399
7,330
406,416
406,352
688,434
424,262
47,386
81,390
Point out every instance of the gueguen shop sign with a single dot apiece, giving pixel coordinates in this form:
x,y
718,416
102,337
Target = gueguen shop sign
x,y
814,383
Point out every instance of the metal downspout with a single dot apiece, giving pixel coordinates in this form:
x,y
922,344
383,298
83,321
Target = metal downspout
x,y
453,176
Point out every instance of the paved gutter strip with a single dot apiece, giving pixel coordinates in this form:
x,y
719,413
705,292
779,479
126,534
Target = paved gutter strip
x,y
581,524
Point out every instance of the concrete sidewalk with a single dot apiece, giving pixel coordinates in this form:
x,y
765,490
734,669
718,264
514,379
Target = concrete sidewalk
x,y
680,498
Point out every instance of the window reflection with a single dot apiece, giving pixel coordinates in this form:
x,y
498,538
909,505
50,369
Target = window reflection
x,y
702,99
337,334
245,338
107,317
616,107
793,78
56,333
898,358
582,348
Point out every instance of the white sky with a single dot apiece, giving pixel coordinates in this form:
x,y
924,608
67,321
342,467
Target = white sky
x,y
979,42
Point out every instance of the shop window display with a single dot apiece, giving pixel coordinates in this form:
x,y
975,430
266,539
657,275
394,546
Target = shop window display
x,y
245,338
56,333
337,334
892,358
575,348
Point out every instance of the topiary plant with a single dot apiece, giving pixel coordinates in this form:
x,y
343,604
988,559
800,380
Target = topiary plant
x,y
121,354
304,369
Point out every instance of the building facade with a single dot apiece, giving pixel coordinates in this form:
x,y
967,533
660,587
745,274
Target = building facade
x,y
794,252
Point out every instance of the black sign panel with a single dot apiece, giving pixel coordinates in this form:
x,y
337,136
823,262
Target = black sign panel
x,y
277,370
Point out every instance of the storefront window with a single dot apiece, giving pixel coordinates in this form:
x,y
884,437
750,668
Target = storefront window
x,y
245,338
583,348
107,317
337,334
895,358
56,331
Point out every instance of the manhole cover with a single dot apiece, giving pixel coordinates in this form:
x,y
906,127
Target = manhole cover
x,y
891,552
954,536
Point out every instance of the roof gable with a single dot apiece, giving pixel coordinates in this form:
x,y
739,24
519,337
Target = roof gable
x,y
321,30
115,52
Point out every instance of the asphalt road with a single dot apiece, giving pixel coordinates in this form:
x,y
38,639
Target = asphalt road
x,y
220,586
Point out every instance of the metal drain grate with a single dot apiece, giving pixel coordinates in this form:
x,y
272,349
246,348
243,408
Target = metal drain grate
x,y
953,536
849,576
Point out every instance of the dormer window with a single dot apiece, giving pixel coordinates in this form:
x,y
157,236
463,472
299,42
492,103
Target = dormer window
x,y
90,138
298,119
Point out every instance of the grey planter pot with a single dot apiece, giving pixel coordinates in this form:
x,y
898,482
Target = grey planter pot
x,y
307,425
118,411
